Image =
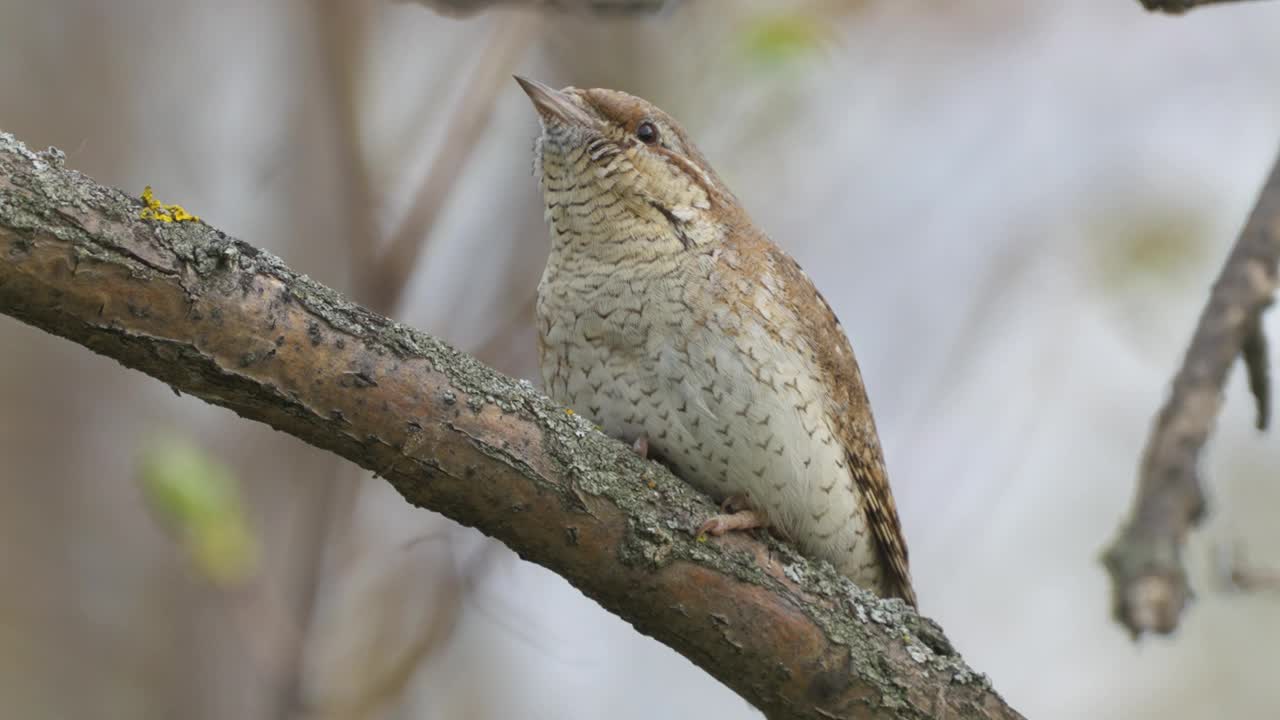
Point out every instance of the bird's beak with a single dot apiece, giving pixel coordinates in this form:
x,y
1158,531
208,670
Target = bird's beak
x,y
554,104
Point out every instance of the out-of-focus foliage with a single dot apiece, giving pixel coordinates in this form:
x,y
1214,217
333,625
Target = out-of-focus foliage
x,y
199,499
776,40
1162,246
1147,260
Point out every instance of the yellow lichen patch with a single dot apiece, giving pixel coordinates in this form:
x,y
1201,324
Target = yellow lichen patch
x,y
568,411
162,212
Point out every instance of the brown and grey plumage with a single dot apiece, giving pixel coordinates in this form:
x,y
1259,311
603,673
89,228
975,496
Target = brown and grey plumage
x,y
671,321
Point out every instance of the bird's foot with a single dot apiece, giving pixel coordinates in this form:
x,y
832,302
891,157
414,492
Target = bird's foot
x,y
738,516
734,504
641,447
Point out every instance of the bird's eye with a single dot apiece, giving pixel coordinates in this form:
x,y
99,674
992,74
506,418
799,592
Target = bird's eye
x,y
647,132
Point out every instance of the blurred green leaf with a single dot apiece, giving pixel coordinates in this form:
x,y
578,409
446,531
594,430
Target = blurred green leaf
x,y
1160,245
199,499
780,39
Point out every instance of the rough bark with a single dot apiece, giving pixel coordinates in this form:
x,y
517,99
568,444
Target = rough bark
x,y
221,320
1149,581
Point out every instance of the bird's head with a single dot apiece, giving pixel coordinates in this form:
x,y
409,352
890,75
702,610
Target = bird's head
x,y
615,168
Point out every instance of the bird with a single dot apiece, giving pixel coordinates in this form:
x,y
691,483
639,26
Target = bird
x,y
670,320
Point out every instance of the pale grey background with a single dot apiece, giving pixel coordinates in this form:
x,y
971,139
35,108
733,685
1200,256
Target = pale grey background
x,y
1015,208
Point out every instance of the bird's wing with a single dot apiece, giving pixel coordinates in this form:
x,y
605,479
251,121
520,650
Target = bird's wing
x,y
847,398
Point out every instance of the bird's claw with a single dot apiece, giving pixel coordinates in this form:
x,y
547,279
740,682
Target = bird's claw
x,y
734,504
740,520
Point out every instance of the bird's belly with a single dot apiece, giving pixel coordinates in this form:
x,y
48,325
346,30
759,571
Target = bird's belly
x,y
732,415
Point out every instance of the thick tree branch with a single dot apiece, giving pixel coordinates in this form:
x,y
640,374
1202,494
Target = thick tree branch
x,y
1149,581
228,323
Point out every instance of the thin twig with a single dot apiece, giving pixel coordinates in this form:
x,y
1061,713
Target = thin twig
x,y
490,349
384,682
395,265
592,7
1177,7
1255,362
1235,574
1149,581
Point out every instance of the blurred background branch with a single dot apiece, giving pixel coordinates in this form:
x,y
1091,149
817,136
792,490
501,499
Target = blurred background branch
x,y
1149,579
1177,7
343,27
395,264
1236,574
590,7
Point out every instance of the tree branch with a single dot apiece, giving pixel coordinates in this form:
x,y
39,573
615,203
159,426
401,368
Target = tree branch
x,y
1149,581
605,8
226,322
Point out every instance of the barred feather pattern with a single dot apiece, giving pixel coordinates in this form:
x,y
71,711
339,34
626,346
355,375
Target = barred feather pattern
x,y
663,312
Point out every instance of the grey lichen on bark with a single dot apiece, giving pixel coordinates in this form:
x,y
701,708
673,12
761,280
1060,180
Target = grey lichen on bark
x,y
219,319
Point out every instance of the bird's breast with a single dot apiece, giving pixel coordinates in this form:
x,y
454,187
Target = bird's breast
x,y
730,403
